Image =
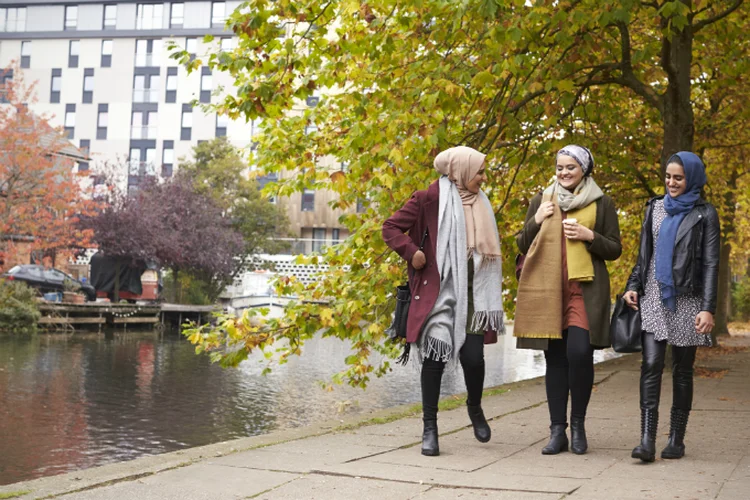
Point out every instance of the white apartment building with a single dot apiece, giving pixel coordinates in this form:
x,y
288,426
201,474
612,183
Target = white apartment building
x,y
103,72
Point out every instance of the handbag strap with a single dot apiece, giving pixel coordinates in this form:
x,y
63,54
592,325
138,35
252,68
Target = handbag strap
x,y
421,245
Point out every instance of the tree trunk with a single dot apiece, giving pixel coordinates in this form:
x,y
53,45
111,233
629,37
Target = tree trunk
x,y
677,111
723,299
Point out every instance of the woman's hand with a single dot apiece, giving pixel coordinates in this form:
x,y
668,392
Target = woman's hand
x,y
704,322
545,210
631,299
575,231
418,260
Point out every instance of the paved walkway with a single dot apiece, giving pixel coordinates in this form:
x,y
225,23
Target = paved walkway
x,y
383,461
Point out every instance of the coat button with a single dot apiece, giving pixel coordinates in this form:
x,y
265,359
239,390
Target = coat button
x,y
416,298
425,282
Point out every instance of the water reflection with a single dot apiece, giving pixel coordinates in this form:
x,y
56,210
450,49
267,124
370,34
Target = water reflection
x,y
72,402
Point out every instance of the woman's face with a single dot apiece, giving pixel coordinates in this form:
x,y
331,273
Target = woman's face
x,y
475,184
569,172
675,180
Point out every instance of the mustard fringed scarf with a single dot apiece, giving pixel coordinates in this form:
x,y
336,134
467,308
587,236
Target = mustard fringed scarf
x,y
580,265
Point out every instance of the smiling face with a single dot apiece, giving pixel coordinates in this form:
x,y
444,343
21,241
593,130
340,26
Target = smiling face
x,y
569,172
475,184
675,180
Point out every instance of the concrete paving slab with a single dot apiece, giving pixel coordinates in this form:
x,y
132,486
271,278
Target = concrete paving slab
x,y
492,478
317,487
742,471
735,490
437,493
195,482
457,455
530,462
691,468
637,488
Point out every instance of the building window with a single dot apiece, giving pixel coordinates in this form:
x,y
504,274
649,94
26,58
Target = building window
x,y
177,16
85,145
319,239
228,44
335,236
106,53
70,120
102,121
88,85
13,19
171,96
312,101
26,54
149,16
206,84
73,52
222,122
143,125
308,200
5,77
218,12
187,123
167,159
71,17
148,53
55,86
146,88
110,16
142,162
191,46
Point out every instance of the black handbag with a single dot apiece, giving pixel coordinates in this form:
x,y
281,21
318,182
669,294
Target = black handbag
x,y
397,330
625,328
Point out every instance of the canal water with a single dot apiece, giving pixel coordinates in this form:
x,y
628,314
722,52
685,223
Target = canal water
x,y
73,402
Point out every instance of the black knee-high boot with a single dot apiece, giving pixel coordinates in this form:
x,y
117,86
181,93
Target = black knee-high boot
x,y
472,363
652,366
432,375
683,359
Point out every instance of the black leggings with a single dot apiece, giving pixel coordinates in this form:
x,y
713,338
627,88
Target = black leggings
x,y
653,366
570,369
472,362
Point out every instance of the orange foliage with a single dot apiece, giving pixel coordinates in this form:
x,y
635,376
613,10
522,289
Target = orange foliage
x,y
41,198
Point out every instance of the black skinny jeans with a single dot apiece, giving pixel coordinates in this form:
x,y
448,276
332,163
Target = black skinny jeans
x,y
472,362
570,369
652,368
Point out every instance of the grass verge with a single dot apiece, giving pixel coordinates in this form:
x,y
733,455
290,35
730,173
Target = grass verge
x,y
14,494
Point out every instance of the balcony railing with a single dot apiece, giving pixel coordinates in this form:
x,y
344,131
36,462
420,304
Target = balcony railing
x,y
304,246
146,95
142,132
139,168
147,60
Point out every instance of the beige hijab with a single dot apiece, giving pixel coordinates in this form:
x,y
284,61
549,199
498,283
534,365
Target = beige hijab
x,y
461,164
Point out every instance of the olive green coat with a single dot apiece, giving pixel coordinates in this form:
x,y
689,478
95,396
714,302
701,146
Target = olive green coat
x,y
606,246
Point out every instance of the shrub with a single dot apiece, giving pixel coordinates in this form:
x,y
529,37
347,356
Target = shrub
x,y
18,308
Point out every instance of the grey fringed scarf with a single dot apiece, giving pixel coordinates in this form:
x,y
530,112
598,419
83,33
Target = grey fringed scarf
x,y
444,332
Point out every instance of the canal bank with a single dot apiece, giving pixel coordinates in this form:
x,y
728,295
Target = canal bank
x,y
377,456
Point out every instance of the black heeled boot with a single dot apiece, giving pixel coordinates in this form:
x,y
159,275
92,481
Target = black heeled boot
x,y
678,424
646,451
578,442
558,440
482,430
430,445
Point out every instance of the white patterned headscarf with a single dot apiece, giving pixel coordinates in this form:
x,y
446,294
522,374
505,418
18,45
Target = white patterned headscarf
x,y
580,154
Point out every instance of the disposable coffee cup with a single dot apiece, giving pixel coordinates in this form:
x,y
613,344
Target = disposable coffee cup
x,y
571,220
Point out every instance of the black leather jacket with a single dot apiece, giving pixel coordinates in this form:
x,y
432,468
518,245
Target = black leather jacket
x,y
695,265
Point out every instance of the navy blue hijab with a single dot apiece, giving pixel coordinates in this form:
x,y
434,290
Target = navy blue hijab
x,y
676,208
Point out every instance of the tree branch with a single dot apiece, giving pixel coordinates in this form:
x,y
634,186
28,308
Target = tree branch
x,y
718,17
628,75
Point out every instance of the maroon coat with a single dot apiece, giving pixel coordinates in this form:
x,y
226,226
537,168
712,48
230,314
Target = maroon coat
x,y
419,212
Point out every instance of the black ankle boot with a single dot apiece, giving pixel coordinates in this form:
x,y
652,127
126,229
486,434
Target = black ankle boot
x,y
677,426
646,451
558,440
482,430
430,439
578,442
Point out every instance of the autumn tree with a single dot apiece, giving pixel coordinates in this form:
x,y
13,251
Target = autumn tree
x,y
219,171
171,224
635,81
41,196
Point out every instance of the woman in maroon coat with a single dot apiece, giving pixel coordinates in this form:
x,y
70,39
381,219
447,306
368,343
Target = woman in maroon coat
x,y
455,281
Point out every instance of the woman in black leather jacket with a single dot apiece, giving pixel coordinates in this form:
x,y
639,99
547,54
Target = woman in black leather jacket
x,y
674,283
